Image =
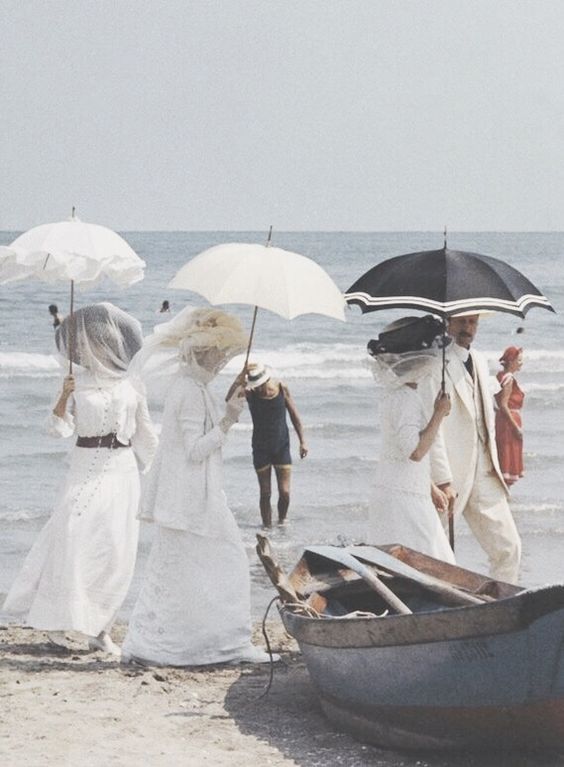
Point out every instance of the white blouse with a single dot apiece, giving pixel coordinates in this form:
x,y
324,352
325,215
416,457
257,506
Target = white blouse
x,y
104,406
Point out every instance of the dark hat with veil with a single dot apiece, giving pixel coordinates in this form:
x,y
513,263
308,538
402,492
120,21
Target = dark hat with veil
x,y
406,350
407,334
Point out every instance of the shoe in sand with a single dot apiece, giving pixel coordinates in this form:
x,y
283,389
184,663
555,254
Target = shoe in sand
x,y
255,655
104,643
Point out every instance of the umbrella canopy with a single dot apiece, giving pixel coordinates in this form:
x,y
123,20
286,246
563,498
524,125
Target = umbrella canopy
x,y
71,250
286,283
446,282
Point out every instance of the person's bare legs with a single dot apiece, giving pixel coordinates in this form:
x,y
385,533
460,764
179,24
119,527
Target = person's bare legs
x,y
283,479
263,476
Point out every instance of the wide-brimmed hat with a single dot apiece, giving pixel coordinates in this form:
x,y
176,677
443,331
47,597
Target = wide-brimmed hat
x,y
257,374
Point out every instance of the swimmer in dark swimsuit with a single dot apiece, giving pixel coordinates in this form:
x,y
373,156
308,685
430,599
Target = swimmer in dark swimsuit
x,y
268,401
54,312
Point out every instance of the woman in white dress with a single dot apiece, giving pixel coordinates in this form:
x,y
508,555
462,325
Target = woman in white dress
x,y
194,604
405,507
77,573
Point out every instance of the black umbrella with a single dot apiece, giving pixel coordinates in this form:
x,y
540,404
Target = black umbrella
x,y
446,282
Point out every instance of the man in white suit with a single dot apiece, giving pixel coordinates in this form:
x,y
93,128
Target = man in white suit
x,y
464,462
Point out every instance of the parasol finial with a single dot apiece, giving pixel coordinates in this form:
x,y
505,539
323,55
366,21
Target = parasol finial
x,y
269,238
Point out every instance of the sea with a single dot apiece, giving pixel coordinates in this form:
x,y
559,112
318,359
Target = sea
x,y
322,361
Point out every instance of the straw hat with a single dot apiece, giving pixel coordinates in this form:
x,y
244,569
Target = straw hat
x,y
257,374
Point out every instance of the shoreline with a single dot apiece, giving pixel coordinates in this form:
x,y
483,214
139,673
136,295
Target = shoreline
x,y
75,707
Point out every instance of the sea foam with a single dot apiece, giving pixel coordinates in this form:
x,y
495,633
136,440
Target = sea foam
x,y
14,364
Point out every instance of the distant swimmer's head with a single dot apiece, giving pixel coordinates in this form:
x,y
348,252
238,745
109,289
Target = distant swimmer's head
x,y
257,375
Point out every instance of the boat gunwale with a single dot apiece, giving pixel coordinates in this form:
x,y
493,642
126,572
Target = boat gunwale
x,y
504,616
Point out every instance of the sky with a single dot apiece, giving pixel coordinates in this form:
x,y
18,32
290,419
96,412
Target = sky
x,y
368,115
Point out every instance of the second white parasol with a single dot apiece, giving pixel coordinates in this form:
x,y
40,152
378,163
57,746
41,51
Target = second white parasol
x,y
281,281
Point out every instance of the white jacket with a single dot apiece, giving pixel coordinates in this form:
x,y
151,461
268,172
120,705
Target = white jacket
x,y
184,489
454,454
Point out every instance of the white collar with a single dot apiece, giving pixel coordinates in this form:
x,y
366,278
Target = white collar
x,y
461,352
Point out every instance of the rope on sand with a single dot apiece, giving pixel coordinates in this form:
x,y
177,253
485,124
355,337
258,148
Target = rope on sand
x,y
268,647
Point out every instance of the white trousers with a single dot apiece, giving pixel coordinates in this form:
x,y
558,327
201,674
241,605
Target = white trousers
x,y
489,517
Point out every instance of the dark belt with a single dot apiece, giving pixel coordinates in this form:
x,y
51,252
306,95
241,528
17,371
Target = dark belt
x,y
106,440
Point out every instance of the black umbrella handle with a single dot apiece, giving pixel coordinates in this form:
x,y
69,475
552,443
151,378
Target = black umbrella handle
x,y
443,371
444,345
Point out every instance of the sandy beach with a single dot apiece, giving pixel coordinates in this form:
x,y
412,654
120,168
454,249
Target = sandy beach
x,y
75,707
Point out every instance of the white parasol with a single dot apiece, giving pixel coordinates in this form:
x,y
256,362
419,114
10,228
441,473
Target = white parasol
x,y
283,282
70,250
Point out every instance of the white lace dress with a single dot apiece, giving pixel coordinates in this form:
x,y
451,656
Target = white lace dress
x,y
79,569
402,510
194,605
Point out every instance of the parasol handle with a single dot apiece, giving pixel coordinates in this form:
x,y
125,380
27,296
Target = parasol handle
x,y
71,337
268,244
443,370
249,345
235,384
250,339
444,345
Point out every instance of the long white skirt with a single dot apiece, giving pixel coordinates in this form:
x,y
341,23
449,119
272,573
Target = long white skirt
x,y
409,519
194,605
79,569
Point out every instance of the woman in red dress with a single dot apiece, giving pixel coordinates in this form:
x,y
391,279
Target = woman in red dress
x,y
508,424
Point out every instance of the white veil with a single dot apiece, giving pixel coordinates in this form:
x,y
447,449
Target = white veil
x,y
394,370
101,338
407,350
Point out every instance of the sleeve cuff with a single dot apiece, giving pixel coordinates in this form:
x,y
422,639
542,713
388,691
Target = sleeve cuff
x,y
60,427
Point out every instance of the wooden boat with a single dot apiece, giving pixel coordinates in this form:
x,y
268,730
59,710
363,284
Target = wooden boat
x,y
469,663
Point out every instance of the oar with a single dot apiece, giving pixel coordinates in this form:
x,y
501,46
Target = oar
x,y
397,567
342,557
278,577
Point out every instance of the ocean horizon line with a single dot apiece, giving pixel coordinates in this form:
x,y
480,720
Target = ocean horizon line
x,y
450,232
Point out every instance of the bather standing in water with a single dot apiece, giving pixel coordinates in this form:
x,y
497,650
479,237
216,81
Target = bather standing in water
x,y
269,400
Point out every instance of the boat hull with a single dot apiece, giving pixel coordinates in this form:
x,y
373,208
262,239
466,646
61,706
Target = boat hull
x,y
531,727
485,676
